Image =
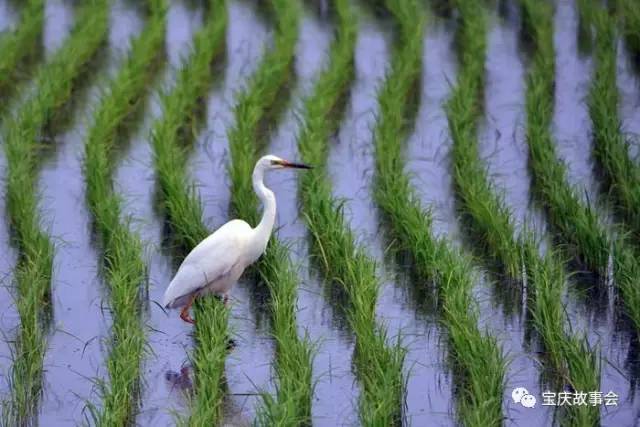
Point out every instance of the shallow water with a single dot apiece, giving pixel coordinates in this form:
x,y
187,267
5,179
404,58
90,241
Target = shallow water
x,y
428,150
428,397
168,339
615,344
75,355
336,392
78,292
502,143
126,22
77,347
210,157
57,24
571,122
248,367
8,17
9,319
629,87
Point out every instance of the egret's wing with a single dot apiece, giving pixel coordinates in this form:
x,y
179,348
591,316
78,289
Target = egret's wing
x,y
213,258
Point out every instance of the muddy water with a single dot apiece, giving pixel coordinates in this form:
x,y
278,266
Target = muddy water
x,y
629,87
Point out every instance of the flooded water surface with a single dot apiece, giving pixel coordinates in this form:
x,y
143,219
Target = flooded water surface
x,y
78,342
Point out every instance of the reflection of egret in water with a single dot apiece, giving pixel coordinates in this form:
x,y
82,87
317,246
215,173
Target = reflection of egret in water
x,y
182,382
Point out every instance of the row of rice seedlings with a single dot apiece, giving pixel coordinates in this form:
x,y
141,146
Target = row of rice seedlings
x,y
20,46
476,357
23,140
581,365
378,365
293,365
585,238
483,209
610,145
629,13
569,355
123,263
183,207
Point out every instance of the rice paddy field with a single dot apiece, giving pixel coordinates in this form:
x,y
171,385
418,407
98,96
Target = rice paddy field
x,y
470,227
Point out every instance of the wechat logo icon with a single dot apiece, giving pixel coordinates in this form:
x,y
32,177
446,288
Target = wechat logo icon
x,y
521,395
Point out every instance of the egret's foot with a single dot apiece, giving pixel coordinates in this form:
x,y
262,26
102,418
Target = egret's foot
x,y
184,315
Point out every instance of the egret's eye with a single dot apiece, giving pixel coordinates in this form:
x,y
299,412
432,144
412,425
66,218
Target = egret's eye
x,y
274,162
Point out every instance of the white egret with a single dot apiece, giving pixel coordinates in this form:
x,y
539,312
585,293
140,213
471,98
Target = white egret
x,y
216,263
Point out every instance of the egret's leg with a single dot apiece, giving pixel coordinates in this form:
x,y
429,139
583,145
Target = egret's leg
x,y
225,300
184,314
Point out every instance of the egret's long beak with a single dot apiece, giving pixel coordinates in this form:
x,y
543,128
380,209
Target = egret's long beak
x,y
287,164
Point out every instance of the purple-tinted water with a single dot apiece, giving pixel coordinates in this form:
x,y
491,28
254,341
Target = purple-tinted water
x,y
629,87
428,397
168,339
571,122
57,24
76,354
8,17
428,150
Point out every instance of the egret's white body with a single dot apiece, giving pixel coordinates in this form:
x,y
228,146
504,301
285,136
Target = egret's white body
x,y
216,263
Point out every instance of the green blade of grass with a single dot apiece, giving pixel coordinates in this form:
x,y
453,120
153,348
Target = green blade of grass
x,y
378,365
478,361
183,208
123,263
23,138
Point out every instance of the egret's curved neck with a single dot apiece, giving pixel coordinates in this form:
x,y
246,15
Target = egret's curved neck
x,y
268,199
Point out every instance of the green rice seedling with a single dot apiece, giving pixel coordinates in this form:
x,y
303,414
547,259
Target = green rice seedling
x,y
293,365
183,207
576,224
378,365
22,141
20,46
569,356
610,146
124,267
630,17
483,208
477,358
